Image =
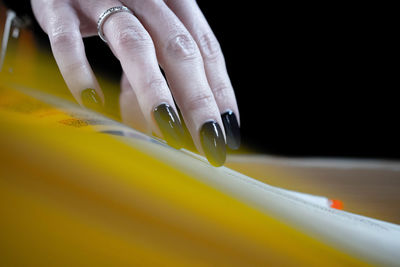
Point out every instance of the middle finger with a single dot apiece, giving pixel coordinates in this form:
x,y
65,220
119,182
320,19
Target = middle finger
x,y
181,60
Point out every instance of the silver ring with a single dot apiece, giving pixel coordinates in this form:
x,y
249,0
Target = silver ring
x,y
105,15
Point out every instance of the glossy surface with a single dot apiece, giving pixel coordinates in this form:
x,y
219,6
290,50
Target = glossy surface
x,y
90,99
169,125
232,129
213,143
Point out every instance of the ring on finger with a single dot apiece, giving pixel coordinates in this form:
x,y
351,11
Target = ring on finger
x,y
105,15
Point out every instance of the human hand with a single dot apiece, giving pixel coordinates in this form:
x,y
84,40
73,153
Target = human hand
x,y
172,34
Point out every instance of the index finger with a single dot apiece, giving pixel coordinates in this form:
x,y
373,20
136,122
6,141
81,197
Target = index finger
x,y
62,26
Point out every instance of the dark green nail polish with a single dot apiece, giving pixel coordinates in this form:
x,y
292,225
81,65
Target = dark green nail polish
x,y
232,129
91,100
213,143
169,124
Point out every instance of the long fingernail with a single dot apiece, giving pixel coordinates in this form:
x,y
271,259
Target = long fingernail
x,y
169,124
232,129
213,143
91,99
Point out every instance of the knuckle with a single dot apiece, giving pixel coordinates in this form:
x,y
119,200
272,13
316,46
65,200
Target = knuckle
x,y
64,40
151,88
156,84
198,101
132,38
71,69
222,91
209,47
182,47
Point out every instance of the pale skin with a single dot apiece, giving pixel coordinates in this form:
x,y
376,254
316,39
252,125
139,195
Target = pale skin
x,y
172,34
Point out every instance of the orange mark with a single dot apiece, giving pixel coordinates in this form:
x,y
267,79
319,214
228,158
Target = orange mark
x,y
336,204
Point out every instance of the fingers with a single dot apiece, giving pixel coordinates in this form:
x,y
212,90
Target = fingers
x,y
131,114
193,19
62,26
133,46
182,62
184,47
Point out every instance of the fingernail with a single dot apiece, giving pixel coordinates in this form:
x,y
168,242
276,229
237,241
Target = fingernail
x,y
213,143
169,125
187,138
232,129
91,99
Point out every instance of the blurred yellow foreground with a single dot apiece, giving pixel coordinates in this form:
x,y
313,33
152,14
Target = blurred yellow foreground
x,y
73,196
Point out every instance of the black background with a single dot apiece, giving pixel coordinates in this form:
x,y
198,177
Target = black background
x,y
317,80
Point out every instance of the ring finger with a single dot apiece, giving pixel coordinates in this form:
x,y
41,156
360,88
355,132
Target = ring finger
x,y
133,46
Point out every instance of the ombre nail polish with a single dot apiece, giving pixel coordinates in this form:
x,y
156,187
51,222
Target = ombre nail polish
x,y
213,143
169,125
232,130
91,100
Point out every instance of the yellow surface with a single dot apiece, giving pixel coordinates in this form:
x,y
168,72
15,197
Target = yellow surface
x,y
75,196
